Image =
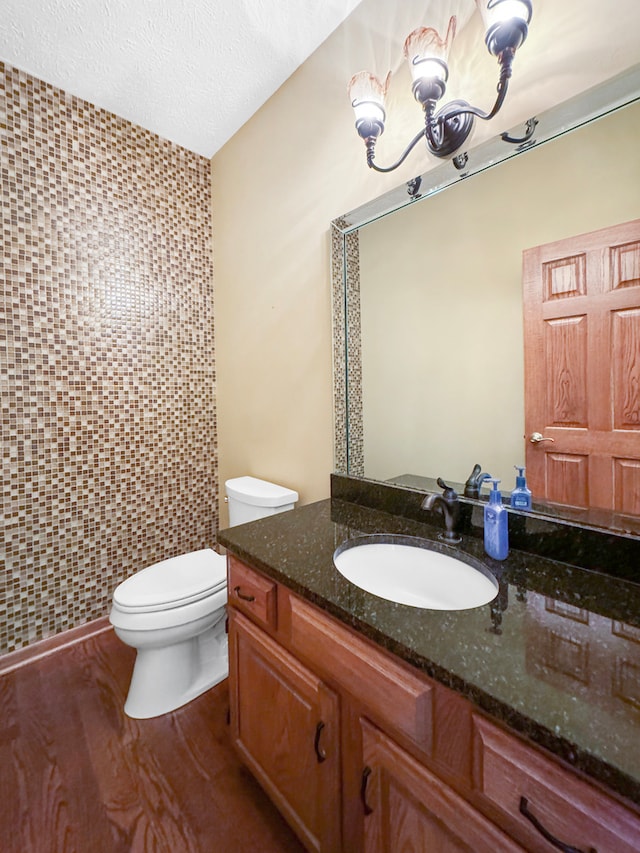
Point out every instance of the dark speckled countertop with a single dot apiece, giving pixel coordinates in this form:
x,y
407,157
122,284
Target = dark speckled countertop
x,y
556,656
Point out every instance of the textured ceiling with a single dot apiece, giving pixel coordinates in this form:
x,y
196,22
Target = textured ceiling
x,y
192,71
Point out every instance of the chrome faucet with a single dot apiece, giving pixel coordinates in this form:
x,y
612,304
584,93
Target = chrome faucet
x,y
447,505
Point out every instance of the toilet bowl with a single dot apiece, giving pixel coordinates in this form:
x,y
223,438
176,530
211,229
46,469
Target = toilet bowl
x,y
173,612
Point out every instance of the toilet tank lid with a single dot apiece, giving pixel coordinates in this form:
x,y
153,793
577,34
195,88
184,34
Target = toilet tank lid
x,y
178,580
250,490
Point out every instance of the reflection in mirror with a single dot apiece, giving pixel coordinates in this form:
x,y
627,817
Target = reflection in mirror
x,y
428,301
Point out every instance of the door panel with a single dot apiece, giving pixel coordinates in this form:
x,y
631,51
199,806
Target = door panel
x,y
568,477
627,486
626,368
566,356
582,369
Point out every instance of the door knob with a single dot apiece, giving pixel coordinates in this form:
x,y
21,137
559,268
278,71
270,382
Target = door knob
x,y
537,437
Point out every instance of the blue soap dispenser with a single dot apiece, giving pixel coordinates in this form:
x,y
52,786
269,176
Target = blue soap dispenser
x,y
496,525
521,495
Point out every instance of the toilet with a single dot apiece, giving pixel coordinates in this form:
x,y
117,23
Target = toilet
x,y
173,612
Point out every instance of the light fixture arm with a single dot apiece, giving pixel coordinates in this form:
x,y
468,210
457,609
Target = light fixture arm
x,y
506,65
448,129
370,143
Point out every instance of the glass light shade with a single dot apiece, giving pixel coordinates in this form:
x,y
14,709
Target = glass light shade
x,y
500,11
367,96
427,52
506,23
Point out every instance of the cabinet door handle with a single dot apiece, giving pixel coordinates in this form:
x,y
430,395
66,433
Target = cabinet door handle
x,y
363,790
320,753
241,595
559,845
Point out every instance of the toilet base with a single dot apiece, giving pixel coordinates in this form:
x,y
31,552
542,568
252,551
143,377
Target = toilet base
x,y
166,678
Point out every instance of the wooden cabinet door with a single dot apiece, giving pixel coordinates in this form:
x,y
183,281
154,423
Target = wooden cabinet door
x,y
285,726
407,808
582,369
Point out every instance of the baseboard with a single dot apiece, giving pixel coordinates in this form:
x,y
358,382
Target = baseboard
x,y
44,648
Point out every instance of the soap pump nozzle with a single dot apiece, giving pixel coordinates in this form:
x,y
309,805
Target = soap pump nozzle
x,y
495,495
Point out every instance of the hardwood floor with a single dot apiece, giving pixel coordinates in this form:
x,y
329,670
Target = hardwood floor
x,y
78,776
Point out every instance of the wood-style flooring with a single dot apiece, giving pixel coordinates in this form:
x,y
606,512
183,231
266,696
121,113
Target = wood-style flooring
x,y
78,776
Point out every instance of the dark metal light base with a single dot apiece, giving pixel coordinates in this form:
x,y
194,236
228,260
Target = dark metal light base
x,y
451,128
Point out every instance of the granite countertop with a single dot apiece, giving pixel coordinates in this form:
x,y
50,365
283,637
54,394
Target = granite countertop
x,y
556,656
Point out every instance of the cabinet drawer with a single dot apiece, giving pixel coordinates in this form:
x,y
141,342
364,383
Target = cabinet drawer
x,y
252,593
390,693
408,808
505,771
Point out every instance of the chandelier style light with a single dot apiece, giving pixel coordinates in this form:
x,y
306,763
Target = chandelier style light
x,y
445,130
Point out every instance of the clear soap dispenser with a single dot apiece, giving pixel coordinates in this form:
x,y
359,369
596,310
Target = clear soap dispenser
x,y
496,525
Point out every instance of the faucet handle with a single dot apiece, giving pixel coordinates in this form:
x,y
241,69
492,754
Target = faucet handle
x,y
475,473
474,482
450,493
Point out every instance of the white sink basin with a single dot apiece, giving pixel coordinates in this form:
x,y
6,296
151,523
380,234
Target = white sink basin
x,y
415,572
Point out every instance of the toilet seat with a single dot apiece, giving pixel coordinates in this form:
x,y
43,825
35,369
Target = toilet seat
x,y
172,583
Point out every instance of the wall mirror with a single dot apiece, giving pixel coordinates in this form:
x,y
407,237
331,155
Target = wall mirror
x,y
427,295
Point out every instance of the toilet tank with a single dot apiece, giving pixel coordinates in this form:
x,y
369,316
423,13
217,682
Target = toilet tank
x,y
250,499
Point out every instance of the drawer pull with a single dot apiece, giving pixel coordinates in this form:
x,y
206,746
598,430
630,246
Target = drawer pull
x,y
320,753
241,595
566,848
363,790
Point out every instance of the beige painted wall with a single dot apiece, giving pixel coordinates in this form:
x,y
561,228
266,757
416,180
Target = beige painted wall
x,y
296,165
441,301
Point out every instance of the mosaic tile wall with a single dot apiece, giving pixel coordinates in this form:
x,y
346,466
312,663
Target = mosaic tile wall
x,y
347,350
106,356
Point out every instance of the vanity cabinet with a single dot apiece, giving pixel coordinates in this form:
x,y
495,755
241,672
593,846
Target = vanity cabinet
x,y
362,752
285,724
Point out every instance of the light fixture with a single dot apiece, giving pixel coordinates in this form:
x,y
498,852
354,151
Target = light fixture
x,y
445,131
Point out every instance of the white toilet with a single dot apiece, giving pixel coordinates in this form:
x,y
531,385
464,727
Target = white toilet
x,y
173,612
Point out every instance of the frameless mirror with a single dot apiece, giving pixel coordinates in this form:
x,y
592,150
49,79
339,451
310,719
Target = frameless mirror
x,y
427,294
